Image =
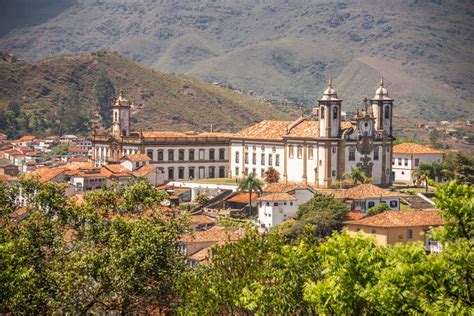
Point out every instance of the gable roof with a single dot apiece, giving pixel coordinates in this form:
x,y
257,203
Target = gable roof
x,y
286,187
413,148
214,234
278,130
144,170
364,191
47,174
400,219
274,197
136,157
242,197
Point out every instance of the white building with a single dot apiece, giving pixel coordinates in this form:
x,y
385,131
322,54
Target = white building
x,y
180,156
408,156
320,152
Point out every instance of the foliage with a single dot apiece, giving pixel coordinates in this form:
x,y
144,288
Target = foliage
x,y
202,198
271,175
357,175
379,208
141,195
8,202
104,94
323,212
459,166
250,184
422,176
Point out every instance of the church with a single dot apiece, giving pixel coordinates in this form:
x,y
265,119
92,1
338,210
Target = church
x,y
319,152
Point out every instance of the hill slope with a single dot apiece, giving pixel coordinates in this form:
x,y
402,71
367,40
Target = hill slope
x,y
60,92
281,49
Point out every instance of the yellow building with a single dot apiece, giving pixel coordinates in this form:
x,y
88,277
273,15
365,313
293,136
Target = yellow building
x,y
391,227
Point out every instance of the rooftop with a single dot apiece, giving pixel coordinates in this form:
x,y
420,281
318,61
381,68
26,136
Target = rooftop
x,y
201,220
136,157
215,234
400,219
285,187
274,197
242,198
413,148
364,191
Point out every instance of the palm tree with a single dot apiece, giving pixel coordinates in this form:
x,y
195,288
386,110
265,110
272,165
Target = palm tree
x,y
422,175
250,184
271,175
356,175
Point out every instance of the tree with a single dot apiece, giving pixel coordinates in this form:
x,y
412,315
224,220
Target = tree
x,y
357,175
202,198
140,196
323,213
422,175
250,184
459,166
271,175
8,196
379,208
105,95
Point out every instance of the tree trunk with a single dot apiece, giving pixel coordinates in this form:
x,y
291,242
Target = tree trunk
x,y
250,202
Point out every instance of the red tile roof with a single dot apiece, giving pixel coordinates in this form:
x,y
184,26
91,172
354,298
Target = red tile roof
x,y
285,187
215,234
274,197
242,197
201,220
400,219
364,191
144,170
136,157
413,148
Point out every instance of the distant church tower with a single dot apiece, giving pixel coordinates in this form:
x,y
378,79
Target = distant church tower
x,y
329,113
121,117
382,107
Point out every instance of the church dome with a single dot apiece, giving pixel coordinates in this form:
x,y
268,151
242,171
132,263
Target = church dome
x,y
381,93
330,93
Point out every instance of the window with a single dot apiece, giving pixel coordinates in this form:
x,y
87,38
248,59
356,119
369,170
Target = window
x,y
334,112
291,203
320,162
262,173
334,149
277,160
275,204
181,173
191,154
374,231
387,112
393,204
399,161
352,155
212,154
221,172
221,154
291,151
246,171
409,233
202,154
149,153
376,153
370,204
181,155
262,160
300,151
191,173
393,162
310,152
246,158
237,157
212,172
333,173
322,112
254,158
237,172
137,164
270,159
171,155
170,173
254,171
160,155
406,161
417,161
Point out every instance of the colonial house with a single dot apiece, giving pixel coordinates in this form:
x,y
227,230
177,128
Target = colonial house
x,y
392,227
364,196
408,156
188,155
320,152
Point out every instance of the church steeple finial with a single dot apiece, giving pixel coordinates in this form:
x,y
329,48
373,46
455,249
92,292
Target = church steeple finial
x,y
330,82
381,81
121,92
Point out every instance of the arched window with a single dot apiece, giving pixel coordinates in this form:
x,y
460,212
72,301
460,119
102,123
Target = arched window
x,y
115,116
334,112
387,112
290,151
322,112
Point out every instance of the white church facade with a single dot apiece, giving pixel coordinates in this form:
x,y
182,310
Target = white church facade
x,y
318,152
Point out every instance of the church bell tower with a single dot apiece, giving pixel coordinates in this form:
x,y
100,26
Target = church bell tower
x,y
329,113
382,108
121,117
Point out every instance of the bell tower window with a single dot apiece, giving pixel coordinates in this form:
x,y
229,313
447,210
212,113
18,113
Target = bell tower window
x,y
322,112
387,112
334,112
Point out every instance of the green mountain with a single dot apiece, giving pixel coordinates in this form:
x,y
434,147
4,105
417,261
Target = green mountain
x,y
281,49
70,93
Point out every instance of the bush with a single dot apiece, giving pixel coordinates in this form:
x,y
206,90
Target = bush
x,y
379,208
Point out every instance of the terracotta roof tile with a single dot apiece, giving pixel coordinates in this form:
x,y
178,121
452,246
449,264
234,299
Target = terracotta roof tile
x,y
285,187
190,134
47,174
355,215
200,255
364,191
400,219
242,197
136,157
215,234
273,197
144,170
413,148
201,220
